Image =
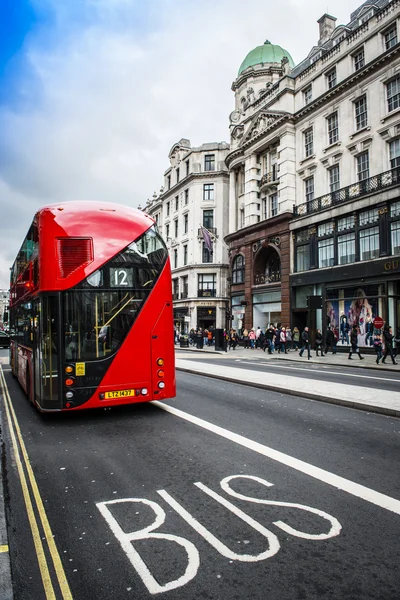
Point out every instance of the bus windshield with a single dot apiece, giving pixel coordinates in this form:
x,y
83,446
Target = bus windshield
x,y
100,311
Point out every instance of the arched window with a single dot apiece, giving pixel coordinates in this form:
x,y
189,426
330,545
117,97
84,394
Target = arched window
x,y
238,269
267,267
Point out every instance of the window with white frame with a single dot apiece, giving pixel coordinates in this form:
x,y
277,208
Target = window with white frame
x,y
264,209
175,258
333,128
185,254
390,37
177,175
369,243
326,253
345,223
307,95
394,148
346,248
207,284
208,191
186,197
309,188
241,217
363,166
168,208
334,178
368,217
207,255
176,202
176,227
361,112
303,257
273,202
326,229
395,227
185,223
167,231
393,94
359,60
331,79
308,142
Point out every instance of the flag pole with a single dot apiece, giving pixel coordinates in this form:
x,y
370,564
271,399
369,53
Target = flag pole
x,y
214,238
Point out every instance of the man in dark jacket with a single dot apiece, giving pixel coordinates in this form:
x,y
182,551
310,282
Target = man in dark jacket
x,y
305,343
388,339
354,343
330,341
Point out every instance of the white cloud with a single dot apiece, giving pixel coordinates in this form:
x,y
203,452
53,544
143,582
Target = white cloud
x,y
116,82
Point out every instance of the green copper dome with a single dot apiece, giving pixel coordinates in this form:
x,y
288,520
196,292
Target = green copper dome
x,y
267,53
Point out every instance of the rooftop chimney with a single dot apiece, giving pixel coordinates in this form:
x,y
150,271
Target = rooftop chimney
x,y
326,27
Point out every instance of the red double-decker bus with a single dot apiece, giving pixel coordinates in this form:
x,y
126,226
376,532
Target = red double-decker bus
x,y
91,309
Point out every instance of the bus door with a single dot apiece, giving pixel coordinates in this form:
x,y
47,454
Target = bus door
x,y
47,353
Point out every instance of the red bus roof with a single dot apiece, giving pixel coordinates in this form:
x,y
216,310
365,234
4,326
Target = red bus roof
x,y
111,227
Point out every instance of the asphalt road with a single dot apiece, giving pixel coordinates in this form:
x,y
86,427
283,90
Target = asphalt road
x,y
224,509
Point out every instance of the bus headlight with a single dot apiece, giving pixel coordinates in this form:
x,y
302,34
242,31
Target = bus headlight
x,y
144,391
69,395
161,385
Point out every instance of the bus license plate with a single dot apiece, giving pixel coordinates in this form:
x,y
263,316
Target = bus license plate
x,y
120,394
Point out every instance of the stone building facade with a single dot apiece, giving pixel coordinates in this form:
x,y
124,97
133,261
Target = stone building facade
x,y
314,168
195,195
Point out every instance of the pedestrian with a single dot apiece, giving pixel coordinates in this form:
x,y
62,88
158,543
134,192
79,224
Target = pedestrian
x,y
318,343
246,339
252,339
258,333
378,348
305,343
209,338
233,342
354,343
270,339
283,340
289,339
277,339
388,339
296,338
330,341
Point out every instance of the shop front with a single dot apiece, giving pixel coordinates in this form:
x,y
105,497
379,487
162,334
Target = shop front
x,y
267,309
352,295
181,319
206,317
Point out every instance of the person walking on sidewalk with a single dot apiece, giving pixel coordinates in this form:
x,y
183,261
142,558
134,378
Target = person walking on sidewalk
x,y
330,341
319,343
378,348
388,339
283,340
296,338
305,343
354,343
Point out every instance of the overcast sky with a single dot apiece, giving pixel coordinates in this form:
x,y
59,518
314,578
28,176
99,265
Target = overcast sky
x,y
94,93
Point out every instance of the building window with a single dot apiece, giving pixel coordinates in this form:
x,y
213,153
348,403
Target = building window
x,y
368,217
208,191
186,197
167,231
395,227
185,287
361,112
207,256
307,95
303,257
333,128
185,223
185,254
176,202
209,162
326,253
238,269
176,227
169,182
346,248
331,78
309,188
264,209
177,175
208,219
187,168
390,37
369,243
334,178
273,202
207,284
394,154
359,60
175,259
325,229
393,94
345,223
175,289
168,208
363,166
308,142
241,217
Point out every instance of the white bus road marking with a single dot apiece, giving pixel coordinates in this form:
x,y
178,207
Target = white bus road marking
x,y
322,372
341,483
193,557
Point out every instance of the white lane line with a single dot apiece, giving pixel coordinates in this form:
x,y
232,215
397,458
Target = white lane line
x,y
355,489
322,372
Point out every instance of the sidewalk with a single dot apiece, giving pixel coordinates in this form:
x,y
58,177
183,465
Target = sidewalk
x,y
370,399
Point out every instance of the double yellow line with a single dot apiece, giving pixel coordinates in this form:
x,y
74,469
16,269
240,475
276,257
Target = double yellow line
x,y
19,449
